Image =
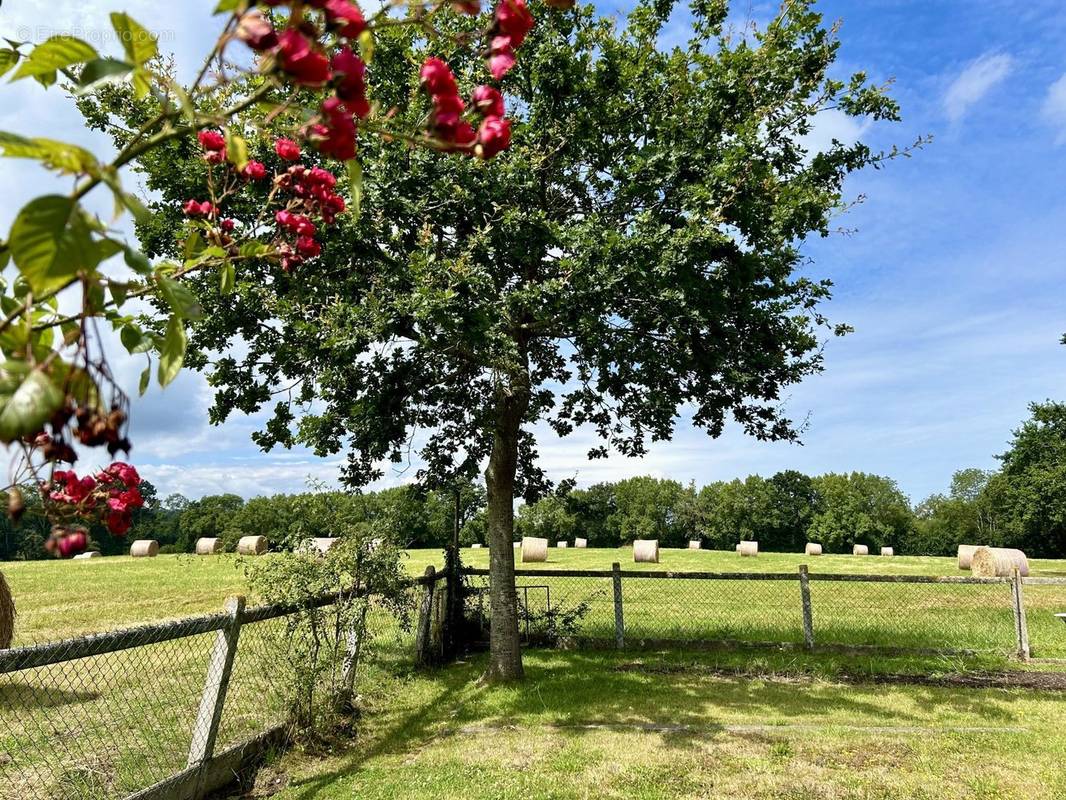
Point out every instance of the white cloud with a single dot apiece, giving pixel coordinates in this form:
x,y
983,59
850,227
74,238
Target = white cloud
x,y
1055,107
977,80
833,125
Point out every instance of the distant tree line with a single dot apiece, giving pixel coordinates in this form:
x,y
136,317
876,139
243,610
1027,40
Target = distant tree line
x,y
1023,505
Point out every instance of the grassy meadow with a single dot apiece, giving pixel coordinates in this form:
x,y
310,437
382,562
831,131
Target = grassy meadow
x,y
58,599
106,726
674,726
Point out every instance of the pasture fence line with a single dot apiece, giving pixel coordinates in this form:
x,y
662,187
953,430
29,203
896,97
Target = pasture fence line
x,y
948,615
171,710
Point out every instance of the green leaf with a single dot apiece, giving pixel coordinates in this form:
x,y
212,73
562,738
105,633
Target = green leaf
x,y
5,256
193,245
50,243
355,176
8,59
180,299
207,254
28,398
366,46
142,83
137,261
236,150
46,79
134,340
172,353
100,72
60,156
106,248
253,248
230,6
55,54
124,199
227,278
139,43
146,376
131,337
119,292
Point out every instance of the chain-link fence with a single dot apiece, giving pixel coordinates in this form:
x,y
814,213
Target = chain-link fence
x,y
915,613
1043,599
161,709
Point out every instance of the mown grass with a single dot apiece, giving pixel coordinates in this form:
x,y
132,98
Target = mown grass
x,y
667,726
61,599
106,726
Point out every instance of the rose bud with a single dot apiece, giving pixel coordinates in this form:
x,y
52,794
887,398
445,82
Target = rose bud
x,y
256,31
488,101
287,149
212,140
493,137
255,171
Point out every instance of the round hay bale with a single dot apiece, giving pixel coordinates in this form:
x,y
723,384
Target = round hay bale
x,y
208,547
646,551
966,554
315,545
998,562
7,614
517,544
748,549
325,543
695,545
738,548
887,551
562,545
252,545
581,544
860,550
86,556
475,546
812,549
534,550
144,548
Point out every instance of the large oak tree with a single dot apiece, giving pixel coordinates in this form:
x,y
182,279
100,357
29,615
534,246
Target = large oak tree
x,y
633,256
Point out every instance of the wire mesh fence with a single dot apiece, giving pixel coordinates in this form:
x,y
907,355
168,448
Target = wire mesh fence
x,y
914,615
1044,598
101,725
944,615
106,716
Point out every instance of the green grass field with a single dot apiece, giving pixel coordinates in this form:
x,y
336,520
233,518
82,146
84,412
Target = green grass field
x,y
118,722
62,599
672,727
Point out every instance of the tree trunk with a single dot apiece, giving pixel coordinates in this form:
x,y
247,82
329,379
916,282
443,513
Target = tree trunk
x,y
505,654
454,627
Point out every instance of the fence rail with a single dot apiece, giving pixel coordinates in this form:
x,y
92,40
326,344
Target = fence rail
x,y
168,711
916,613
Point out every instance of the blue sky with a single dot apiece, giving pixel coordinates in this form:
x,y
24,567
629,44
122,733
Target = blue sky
x,y
952,278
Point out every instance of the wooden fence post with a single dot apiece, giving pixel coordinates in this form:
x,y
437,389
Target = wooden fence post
x,y
808,616
424,639
1021,626
213,699
619,621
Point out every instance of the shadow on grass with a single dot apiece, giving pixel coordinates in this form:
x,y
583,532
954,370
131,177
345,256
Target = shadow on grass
x,y
21,696
579,692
